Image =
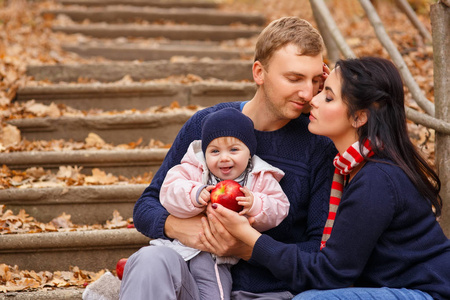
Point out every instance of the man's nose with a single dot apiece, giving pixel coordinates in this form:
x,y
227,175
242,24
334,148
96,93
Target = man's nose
x,y
306,91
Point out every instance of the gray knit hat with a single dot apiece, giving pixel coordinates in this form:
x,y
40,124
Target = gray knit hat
x,y
228,122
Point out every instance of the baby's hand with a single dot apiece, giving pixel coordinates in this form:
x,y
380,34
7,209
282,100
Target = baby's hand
x,y
204,197
246,201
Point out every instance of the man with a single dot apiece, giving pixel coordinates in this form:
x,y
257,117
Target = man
x,y
288,70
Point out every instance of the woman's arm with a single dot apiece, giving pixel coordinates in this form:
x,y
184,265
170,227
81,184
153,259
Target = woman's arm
x,y
362,218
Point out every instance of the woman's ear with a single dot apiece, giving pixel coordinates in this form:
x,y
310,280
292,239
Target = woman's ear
x,y
258,72
360,119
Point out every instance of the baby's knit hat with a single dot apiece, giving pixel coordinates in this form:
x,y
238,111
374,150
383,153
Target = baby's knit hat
x,y
228,122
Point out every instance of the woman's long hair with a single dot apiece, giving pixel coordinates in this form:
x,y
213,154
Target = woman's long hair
x,y
375,86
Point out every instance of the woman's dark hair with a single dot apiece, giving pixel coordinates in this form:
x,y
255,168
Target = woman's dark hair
x,y
374,85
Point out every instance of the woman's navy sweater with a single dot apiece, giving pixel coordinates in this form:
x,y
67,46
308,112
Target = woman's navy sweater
x,y
384,235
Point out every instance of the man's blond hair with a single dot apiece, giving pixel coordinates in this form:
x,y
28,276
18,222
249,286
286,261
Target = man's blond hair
x,y
284,31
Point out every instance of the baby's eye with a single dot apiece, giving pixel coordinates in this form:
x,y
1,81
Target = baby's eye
x,y
234,149
214,151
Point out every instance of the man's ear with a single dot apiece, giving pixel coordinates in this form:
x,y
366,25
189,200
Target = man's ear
x,y
258,72
360,119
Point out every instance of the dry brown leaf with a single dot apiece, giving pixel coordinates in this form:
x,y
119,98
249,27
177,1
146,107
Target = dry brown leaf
x,y
100,177
63,221
117,221
94,140
10,136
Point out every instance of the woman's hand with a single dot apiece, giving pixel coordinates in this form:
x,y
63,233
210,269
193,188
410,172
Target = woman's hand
x,y
228,233
326,72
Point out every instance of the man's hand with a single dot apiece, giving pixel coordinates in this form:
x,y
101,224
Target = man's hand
x,y
187,231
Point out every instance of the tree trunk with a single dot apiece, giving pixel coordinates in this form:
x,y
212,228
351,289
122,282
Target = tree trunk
x,y
409,12
330,44
322,11
440,21
413,87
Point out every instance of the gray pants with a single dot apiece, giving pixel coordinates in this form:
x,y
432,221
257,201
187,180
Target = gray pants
x,y
212,280
160,273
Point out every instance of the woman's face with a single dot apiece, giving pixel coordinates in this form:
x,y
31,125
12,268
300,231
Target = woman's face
x,y
329,114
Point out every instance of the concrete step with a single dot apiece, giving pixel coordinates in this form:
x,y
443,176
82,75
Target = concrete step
x,y
90,250
154,51
171,32
87,205
154,3
114,129
229,70
139,96
191,15
128,163
69,293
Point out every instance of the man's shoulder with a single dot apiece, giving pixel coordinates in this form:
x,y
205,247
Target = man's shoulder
x,y
197,118
219,106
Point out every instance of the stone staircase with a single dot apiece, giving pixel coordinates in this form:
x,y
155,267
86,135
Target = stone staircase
x,y
206,38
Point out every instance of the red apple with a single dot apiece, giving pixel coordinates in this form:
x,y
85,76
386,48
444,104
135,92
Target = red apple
x,y
120,266
225,194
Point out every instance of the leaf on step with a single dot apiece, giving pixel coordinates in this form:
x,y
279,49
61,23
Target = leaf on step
x,y
36,172
62,221
42,110
100,177
10,136
94,140
116,222
174,105
69,172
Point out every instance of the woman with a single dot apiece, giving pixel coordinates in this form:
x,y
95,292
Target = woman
x,y
381,239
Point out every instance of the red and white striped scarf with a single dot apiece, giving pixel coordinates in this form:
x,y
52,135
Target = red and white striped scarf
x,y
344,164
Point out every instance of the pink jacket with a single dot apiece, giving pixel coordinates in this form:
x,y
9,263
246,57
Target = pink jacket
x,y
179,189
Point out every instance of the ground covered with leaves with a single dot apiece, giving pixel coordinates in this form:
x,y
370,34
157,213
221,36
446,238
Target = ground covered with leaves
x,y
13,279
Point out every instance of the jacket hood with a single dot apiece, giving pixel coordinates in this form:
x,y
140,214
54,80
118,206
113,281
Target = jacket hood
x,y
194,156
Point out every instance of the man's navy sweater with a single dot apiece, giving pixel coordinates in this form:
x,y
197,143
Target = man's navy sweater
x,y
306,160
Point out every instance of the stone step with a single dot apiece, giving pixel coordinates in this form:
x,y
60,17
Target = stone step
x,y
114,129
229,70
87,205
154,3
90,250
191,15
128,163
68,293
139,96
171,32
155,51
